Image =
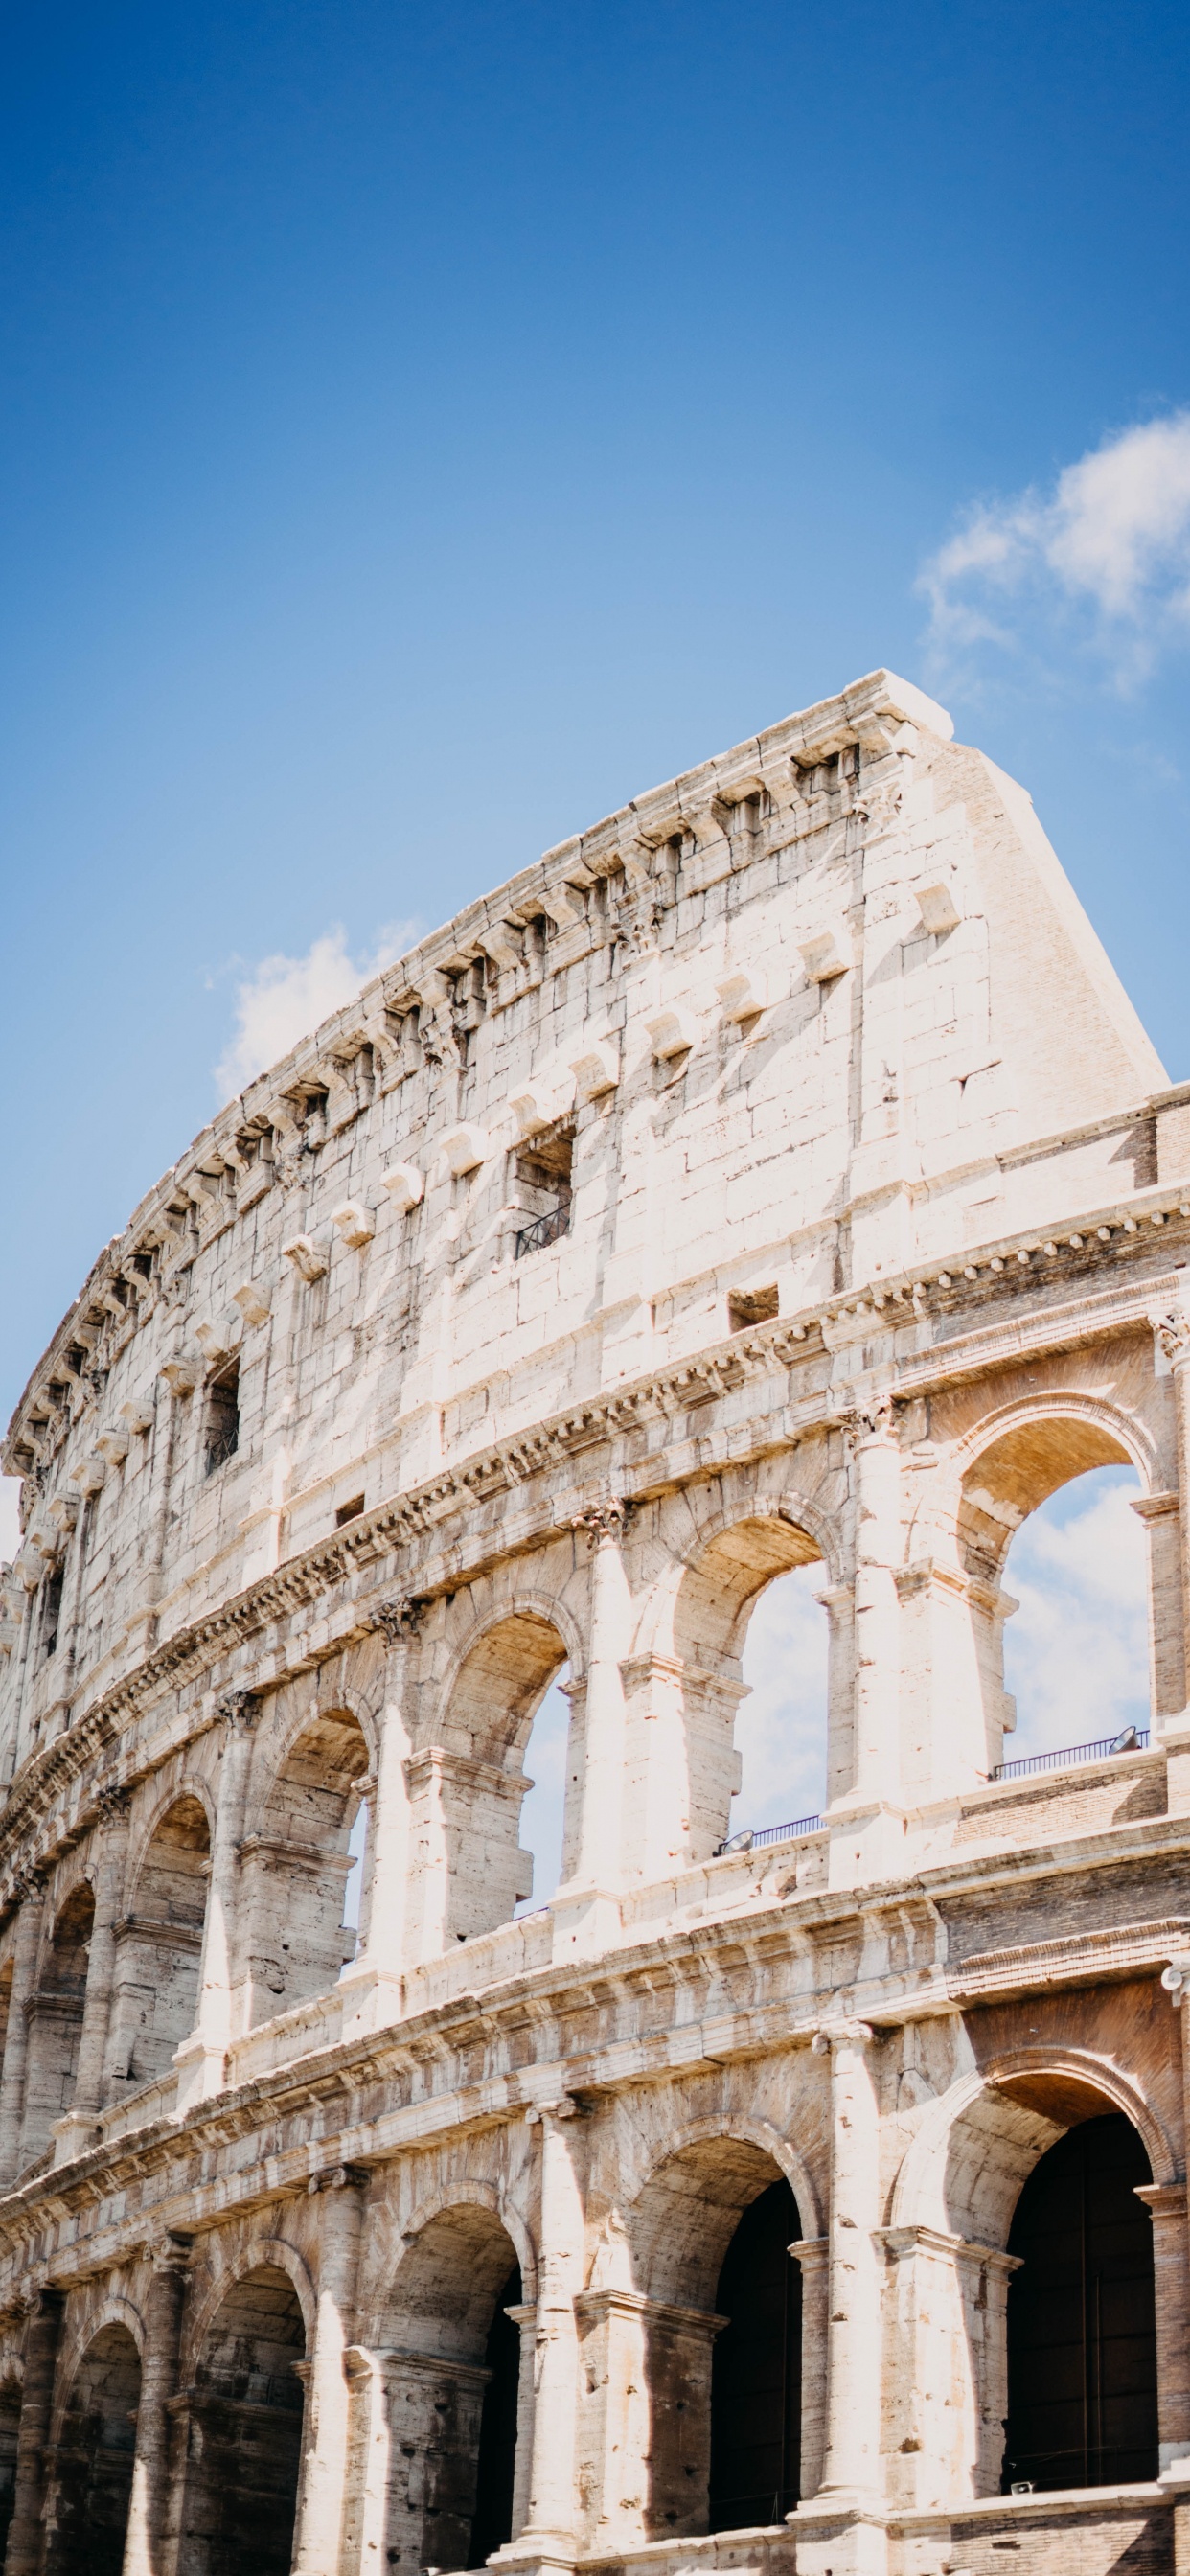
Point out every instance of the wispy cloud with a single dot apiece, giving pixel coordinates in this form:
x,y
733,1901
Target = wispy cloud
x,y
1107,547
1076,1653
281,999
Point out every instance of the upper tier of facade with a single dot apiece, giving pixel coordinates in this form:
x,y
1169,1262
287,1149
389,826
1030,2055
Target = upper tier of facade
x,y
770,1048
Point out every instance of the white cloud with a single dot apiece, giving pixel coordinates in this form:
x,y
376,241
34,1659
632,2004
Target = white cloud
x,y
1110,543
283,998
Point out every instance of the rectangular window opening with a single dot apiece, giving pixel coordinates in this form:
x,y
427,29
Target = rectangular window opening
x,y
223,1417
542,1178
349,1511
753,1306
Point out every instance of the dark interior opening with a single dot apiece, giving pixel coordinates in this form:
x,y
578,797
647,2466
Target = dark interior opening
x,y
223,1417
756,2371
492,2526
1082,2346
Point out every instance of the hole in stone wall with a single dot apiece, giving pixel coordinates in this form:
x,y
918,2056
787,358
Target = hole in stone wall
x,y
349,1511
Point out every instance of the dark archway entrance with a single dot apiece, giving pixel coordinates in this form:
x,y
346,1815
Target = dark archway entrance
x,y
93,2460
244,2435
756,2372
496,2465
1082,2350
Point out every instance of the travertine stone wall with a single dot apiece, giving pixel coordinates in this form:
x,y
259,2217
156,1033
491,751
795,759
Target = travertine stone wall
x,y
774,1175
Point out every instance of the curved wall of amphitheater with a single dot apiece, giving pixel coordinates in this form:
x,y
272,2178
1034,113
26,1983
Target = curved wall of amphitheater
x,y
774,1174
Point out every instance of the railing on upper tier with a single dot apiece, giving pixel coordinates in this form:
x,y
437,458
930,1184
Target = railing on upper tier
x,y
754,1839
1131,1739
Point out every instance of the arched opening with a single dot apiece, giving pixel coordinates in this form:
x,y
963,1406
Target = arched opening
x,y
159,1947
1082,2350
469,1869
10,2426
1044,1513
451,2384
1076,1649
245,2441
715,2341
756,2372
769,1753
297,1865
781,1730
543,1815
92,2471
56,2021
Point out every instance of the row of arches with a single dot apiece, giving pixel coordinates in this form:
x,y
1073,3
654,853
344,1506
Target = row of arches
x,y
303,1869
721,2402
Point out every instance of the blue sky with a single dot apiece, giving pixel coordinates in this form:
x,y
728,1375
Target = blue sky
x,y
422,428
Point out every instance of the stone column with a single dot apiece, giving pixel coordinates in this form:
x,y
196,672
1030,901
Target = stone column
x,y
549,2531
201,2059
1173,1336
851,2467
401,1622
524,2319
16,2044
42,2330
101,1964
376,1971
148,2509
867,1829
586,1911
812,2256
323,2483
1166,2204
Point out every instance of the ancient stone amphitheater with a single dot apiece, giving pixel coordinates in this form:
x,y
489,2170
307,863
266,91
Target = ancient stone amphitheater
x,y
776,1172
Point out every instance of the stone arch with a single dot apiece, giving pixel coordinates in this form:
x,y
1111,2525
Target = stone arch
x,y
466,1787
692,1636
952,2211
450,2383
660,2322
112,2310
87,2512
244,2407
978,2141
469,2193
1016,1457
1005,1464
226,2270
159,1941
56,2017
768,2141
294,1857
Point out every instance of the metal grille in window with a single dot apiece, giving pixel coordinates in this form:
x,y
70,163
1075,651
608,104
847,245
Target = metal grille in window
x,y
544,1229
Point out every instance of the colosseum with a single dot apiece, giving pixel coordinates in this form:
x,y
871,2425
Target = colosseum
x,y
774,1175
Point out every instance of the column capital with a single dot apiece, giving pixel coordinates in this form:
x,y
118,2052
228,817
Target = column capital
x,y
875,1419
562,2107
399,1619
171,2253
1171,1330
604,1520
239,1709
841,2034
340,2178
114,1804
1176,1979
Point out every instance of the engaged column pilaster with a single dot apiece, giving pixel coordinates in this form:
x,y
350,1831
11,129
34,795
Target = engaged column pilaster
x,y
201,2060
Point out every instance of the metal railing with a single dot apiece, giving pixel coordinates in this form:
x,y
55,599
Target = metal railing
x,y
1131,1739
544,1229
755,1839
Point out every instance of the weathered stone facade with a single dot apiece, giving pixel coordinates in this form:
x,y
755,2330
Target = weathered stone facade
x,y
775,1173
